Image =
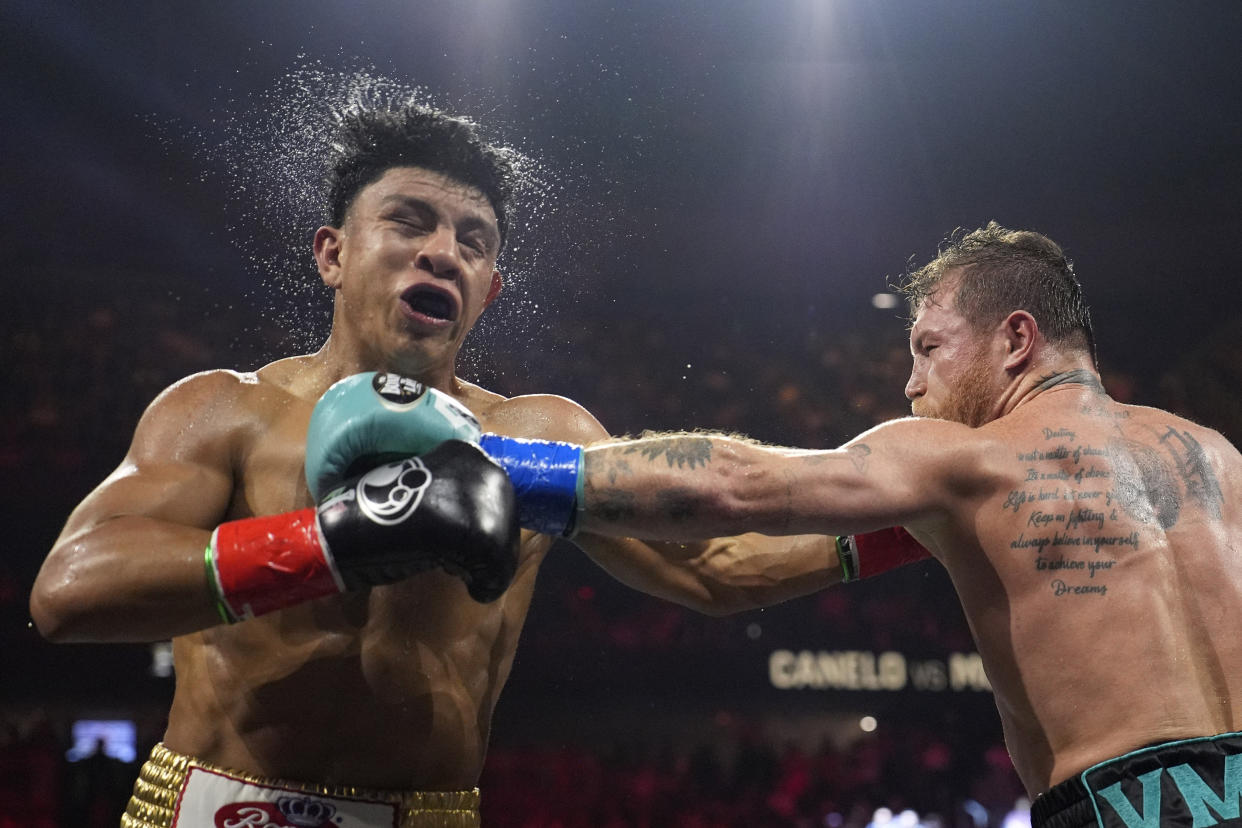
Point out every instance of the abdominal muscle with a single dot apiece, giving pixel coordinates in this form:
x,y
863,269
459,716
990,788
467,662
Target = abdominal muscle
x,y
337,692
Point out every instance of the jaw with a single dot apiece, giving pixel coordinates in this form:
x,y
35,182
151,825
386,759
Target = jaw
x,y
970,403
422,355
386,342
384,337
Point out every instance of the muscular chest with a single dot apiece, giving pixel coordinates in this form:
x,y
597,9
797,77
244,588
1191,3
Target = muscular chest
x,y
271,468
271,476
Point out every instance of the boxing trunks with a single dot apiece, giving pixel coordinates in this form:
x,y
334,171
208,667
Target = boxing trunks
x,y
1188,783
176,791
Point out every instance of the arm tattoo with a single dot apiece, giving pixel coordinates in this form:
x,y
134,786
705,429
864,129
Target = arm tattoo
x,y
613,504
679,451
618,468
676,504
859,452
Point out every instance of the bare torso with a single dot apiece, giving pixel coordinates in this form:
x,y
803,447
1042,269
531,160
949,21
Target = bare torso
x,y
1099,565
389,688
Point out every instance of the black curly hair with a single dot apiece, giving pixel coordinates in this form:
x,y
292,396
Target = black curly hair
x,y
371,141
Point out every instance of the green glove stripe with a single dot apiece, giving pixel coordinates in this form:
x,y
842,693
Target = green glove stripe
x,y
213,582
847,554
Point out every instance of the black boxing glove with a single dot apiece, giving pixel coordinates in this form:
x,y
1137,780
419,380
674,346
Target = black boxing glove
x,y
452,508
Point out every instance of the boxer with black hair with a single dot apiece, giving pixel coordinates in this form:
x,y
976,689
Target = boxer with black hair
x,y
339,650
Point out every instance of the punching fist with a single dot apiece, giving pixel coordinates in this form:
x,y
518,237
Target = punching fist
x,y
367,419
452,508
371,418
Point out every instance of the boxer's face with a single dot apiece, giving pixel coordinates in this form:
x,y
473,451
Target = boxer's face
x,y
956,375
413,266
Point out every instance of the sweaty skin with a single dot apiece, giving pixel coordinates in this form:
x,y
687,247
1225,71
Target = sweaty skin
x,y
393,687
1096,547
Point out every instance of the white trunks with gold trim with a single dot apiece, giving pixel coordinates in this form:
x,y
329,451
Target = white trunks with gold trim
x,y
177,791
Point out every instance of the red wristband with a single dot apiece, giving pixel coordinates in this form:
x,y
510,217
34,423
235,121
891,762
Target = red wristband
x,y
871,553
268,563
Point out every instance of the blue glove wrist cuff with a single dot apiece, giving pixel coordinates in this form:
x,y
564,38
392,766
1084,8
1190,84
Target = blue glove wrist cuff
x,y
547,477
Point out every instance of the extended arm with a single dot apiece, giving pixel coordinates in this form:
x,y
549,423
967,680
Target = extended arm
x,y
692,485
368,416
716,576
696,485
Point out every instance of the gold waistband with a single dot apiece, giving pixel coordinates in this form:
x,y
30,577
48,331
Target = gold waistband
x,y
162,775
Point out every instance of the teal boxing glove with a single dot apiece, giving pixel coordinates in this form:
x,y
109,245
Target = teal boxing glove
x,y
373,418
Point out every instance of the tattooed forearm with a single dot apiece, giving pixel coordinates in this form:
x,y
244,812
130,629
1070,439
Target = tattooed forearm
x,y
677,504
679,451
695,485
612,504
619,468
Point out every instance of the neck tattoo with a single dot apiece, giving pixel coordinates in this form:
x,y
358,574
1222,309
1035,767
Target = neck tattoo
x,y
1080,376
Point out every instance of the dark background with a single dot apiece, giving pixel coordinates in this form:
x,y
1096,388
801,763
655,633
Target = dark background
x,y
718,191
774,161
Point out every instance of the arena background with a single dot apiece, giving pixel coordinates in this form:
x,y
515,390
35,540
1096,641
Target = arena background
x,y
719,192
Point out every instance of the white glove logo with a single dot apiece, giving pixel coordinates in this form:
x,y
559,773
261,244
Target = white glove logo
x,y
390,494
397,389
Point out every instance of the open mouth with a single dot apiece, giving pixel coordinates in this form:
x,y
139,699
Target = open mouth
x,y
430,302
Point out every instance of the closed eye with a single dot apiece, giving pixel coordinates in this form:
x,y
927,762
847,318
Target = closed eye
x,y
414,225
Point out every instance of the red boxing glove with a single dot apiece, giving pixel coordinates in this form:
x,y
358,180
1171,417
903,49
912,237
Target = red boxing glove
x,y
452,508
267,563
871,553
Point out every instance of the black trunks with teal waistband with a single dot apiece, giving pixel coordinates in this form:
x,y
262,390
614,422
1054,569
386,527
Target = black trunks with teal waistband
x,y
1190,782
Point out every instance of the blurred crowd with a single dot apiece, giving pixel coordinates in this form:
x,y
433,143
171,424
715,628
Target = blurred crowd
x,y
80,370
747,782
762,785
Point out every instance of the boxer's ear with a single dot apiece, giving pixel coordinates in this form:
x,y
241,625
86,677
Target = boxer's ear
x,y
493,291
1021,333
327,247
